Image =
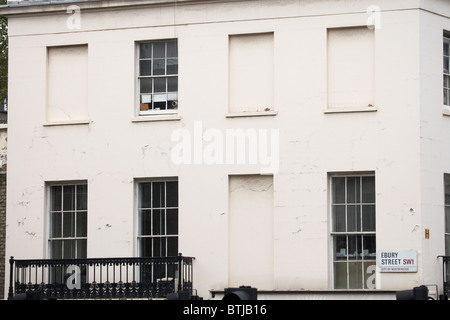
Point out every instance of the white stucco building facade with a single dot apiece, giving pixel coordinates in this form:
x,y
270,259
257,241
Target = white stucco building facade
x,y
338,104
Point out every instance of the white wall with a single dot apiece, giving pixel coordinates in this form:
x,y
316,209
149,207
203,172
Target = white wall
x,y
112,150
435,154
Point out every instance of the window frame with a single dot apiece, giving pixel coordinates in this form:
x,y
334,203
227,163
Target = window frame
x,y
76,211
446,75
138,59
447,214
139,217
358,233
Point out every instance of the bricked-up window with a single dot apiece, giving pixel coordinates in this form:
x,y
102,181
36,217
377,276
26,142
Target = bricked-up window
x,y
353,231
251,72
351,67
67,83
158,218
158,77
447,69
68,221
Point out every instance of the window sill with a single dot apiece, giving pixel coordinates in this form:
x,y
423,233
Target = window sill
x,y
251,114
165,117
446,112
350,110
66,123
3,126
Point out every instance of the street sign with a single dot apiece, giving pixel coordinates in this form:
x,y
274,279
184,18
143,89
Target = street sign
x,y
397,261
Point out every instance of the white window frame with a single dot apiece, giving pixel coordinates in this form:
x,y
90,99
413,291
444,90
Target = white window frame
x,y
75,211
175,94
447,215
446,73
140,236
333,234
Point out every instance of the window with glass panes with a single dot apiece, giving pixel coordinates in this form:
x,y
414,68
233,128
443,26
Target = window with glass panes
x,y
447,214
158,77
447,69
68,221
353,214
158,218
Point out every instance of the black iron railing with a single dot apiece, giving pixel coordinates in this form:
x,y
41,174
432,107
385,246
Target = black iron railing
x,y
103,278
446,274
